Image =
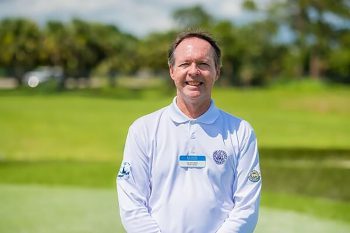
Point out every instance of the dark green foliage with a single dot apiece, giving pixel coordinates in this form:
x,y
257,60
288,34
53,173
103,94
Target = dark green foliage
x,y
253,53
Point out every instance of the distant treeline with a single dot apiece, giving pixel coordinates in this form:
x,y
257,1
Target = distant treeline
x,y
254,53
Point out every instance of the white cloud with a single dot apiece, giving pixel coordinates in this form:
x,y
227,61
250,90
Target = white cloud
x,y
227,9
135,16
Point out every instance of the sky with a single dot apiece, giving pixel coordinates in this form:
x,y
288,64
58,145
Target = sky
x,y
138,17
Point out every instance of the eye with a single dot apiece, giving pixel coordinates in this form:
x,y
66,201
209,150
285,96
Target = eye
x,y
203,65
184,64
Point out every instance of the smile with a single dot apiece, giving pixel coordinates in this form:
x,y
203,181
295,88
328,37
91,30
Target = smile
x,y
193,83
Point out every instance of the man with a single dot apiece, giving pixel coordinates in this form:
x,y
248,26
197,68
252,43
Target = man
x,y
190,167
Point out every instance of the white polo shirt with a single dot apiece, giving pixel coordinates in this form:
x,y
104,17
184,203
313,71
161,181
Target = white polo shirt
x,y
182,175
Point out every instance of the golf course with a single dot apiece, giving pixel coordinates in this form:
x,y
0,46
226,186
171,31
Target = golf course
x,y
60,153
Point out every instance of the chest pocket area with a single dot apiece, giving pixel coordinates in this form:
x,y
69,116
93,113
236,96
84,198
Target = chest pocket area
x,y
221,164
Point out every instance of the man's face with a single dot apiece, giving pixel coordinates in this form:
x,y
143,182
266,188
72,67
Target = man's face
x,y
194,71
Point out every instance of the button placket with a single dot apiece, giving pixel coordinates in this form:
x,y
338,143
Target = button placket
x,y
192,129
192,135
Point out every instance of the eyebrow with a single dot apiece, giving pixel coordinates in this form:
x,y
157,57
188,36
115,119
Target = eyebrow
x,y
196,60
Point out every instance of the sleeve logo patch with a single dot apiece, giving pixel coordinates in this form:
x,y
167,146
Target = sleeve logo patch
x,y
254,176
124,171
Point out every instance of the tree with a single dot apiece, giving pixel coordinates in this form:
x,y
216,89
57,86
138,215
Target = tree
x,y
81,47
20,46
154,51
312,22
249,55
193,17
227,37
118,52
339,59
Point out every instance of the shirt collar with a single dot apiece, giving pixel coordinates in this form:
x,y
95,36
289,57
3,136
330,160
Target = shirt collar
x,y
179,117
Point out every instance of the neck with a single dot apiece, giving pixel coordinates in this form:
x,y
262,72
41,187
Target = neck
x,y
193,109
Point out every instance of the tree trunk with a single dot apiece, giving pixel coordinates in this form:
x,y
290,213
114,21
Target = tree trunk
x,y
315,66
18,73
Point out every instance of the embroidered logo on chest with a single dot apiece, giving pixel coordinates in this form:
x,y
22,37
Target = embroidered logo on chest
x,y
219,157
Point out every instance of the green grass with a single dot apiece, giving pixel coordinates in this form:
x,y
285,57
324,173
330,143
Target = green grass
x,y
79,126
67,127
316,173
59,173
310,205
312,172
61,151
293,119
41,209
276,221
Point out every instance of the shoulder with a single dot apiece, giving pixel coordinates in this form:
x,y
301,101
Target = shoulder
x,y
234,120
147,122
229,117
241,131
236,124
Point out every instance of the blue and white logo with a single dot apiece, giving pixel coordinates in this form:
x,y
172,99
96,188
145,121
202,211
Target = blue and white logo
x,y
219,157
124,171
254,176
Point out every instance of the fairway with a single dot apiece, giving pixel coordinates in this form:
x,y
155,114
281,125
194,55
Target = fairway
x,y
277,221
86,127
60,152
222,110
42,209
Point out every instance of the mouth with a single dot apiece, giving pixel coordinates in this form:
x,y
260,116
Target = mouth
x,y
194,83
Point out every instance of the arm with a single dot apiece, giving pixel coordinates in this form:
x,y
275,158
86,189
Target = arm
x,y
244,216
133,186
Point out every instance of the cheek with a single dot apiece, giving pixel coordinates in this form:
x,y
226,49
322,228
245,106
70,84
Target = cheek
x,y
176,78
178,75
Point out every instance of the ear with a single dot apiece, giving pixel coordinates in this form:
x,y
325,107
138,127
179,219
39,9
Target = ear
x,y
171,71
217,74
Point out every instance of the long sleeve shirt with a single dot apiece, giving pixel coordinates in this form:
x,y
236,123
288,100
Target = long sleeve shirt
x,y
189,175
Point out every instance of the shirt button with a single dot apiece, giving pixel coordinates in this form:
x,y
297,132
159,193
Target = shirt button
x,y
193,136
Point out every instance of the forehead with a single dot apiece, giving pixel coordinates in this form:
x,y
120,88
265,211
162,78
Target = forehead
x,y
194,48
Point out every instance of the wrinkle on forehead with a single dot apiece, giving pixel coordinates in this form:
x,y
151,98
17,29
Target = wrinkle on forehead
x,y
191,49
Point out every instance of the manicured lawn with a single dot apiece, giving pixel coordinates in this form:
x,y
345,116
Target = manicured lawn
x,y
93,126
66,127
41,209
60,152
276,221
293,118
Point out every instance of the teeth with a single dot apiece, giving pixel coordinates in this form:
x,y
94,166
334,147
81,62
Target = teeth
x,y
193,83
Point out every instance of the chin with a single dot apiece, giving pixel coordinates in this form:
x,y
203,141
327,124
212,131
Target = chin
x,y
194,94
197,98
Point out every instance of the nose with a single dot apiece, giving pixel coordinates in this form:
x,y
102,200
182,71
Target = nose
x,y
194,70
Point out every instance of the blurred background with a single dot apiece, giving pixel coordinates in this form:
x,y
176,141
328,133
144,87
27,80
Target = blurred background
x,y
75,74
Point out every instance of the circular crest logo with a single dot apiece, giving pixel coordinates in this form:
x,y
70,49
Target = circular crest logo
x,y
254,176
219,157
